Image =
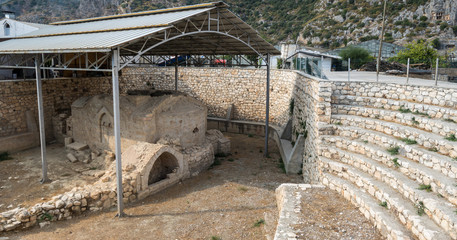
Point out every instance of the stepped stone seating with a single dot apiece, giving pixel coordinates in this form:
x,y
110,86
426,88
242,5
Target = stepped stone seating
x,y
395,158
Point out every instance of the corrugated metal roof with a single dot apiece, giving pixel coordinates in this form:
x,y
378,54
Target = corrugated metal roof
x,y
105,33
100,42
116,24
158,11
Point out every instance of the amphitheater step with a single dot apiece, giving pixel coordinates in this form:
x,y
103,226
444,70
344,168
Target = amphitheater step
x,y
416,153
439,183
438,126
438,208
426,139
410,215
383,219
439,112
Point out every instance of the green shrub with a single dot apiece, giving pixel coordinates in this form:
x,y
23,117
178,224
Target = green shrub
x,y
418,52
433,149
259,223
393,150
408,141
427,188
396,163
451,138
402,109
358,56
5,156
420,208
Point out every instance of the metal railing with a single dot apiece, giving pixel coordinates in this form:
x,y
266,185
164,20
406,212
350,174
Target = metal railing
x,y
437,72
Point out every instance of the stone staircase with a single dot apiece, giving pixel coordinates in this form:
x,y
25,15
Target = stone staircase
x,y
396,160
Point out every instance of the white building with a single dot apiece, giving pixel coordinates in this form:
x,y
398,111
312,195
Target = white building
x,y
12,28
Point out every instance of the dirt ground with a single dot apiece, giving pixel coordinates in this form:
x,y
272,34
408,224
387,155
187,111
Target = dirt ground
x,y
232,200
20,177
325,219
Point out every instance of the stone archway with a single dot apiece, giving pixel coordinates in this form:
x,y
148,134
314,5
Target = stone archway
x,y
157,167
165,166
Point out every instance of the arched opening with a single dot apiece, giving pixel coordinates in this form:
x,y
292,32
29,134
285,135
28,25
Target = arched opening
x,y
6,29
106,128
165,164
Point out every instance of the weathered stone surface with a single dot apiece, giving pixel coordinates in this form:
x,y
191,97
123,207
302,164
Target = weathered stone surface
x,y
77,146
71,157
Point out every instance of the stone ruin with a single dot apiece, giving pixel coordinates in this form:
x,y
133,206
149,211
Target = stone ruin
x,y
164,140
158,131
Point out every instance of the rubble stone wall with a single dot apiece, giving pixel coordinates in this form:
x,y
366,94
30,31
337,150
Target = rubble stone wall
x,y
439,96
311,110
219,88
19,96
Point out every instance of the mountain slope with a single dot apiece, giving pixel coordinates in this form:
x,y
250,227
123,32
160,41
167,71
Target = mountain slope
x,y
323,23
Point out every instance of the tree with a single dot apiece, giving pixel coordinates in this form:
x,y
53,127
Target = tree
x,y
417,52
436,43
358,56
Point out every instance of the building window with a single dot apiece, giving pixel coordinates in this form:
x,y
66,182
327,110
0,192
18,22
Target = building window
x,y
7,29
439,16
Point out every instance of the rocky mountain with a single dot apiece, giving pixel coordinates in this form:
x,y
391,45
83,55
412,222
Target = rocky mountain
x,y
317,23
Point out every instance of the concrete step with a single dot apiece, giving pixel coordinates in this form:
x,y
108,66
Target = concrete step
x,y
423,138
382,218
421,226
432,110
437,126
439,209
440,184
414,152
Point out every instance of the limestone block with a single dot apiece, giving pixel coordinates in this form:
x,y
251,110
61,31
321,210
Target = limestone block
x,y
223,145
77,146
68,141
71,157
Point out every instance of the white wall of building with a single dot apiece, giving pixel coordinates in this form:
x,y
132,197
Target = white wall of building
x,y
327,65
17,28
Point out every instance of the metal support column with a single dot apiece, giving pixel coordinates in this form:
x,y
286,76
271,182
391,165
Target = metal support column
x,y
44,163
267,114
407,72
436,71
117,132
176,73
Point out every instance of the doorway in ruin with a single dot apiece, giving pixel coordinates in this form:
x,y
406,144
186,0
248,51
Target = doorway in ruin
x,y
106,129
165,165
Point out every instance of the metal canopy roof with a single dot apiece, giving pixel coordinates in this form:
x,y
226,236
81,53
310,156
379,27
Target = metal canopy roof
x,y
206,29
99,42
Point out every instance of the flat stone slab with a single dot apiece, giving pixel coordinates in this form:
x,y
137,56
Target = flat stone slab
x,y
289,200
77,146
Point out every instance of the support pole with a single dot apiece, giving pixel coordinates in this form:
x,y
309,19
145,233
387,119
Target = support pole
x,y
436,71
176,73
44,163
349,69
381,38
117,132
321,68
407,72
267,115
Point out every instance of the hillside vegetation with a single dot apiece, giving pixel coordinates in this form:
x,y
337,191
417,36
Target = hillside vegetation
x,y
319,23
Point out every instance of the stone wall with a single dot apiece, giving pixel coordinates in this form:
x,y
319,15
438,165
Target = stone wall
x,y
219,88
311,111
18,97
439,96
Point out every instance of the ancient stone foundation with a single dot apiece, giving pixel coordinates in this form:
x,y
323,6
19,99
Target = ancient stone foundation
x,y
147,169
